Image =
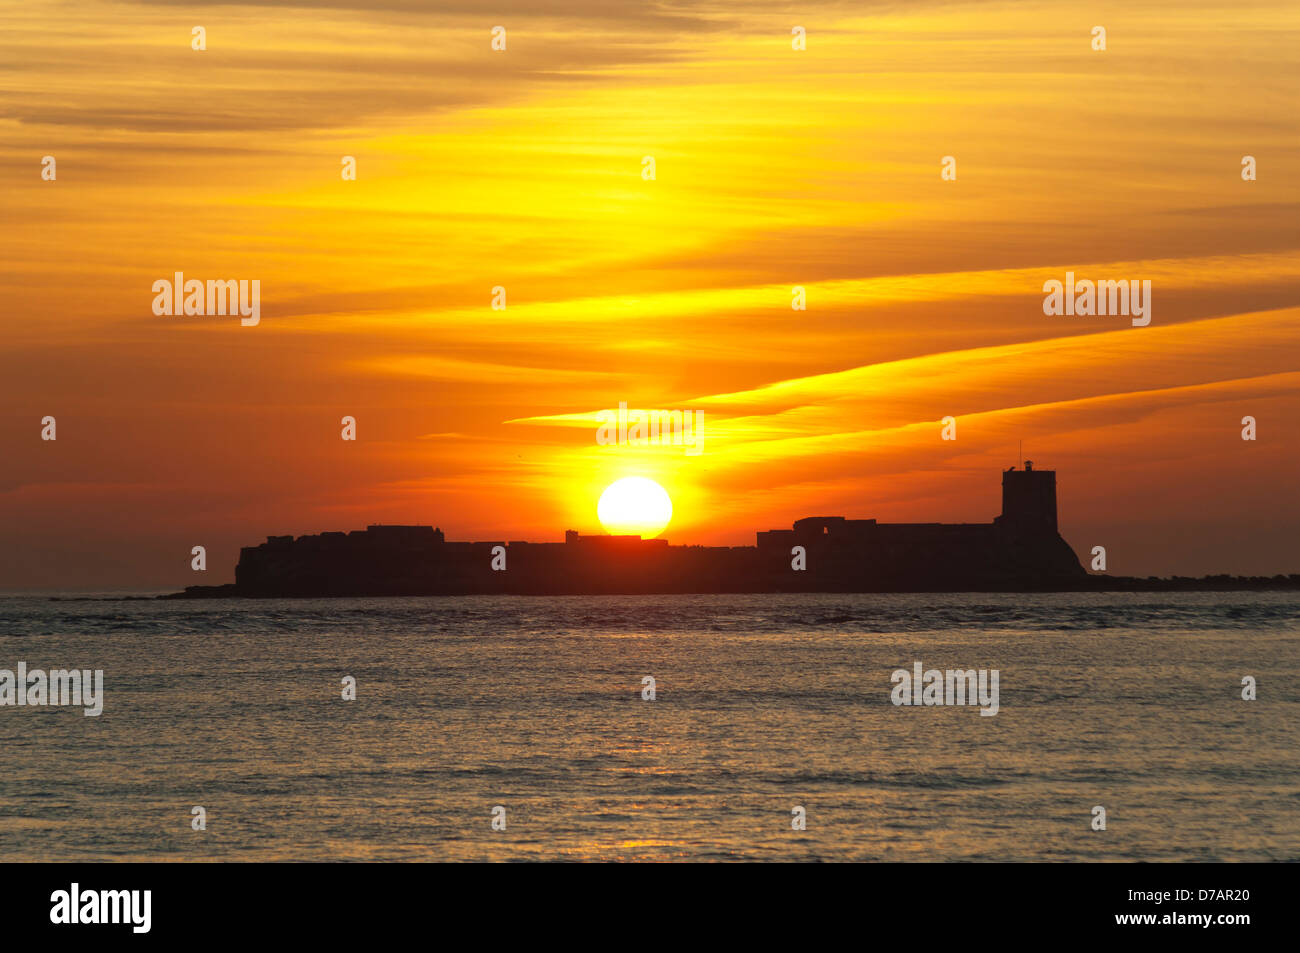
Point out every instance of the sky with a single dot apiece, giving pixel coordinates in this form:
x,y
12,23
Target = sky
x,y
522,169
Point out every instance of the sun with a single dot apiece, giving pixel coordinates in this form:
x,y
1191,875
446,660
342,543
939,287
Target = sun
x,y
636,506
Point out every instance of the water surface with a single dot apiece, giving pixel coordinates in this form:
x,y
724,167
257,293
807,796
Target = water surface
x,y
1130,701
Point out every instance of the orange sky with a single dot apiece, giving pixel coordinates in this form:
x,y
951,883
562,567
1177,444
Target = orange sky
x,y
522,168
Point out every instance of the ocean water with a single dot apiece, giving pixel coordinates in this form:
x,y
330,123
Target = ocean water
x,y
1128,701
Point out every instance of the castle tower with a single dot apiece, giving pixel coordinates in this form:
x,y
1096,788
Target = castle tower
x,y
1029,499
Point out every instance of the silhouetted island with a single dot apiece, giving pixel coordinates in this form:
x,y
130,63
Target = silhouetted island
x,y
1020,551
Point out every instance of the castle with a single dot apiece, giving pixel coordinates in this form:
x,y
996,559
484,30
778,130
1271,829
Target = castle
x,y
1021,546
1019,550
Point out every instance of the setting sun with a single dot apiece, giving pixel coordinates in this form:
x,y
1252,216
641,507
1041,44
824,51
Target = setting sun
x,y
634,505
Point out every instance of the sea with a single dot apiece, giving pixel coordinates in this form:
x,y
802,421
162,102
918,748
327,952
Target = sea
x,y
524,729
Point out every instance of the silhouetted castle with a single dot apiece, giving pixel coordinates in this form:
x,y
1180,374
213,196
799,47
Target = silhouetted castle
x,y
1020,550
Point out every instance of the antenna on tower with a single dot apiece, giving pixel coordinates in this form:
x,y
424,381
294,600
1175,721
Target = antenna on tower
x,y
1020,454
